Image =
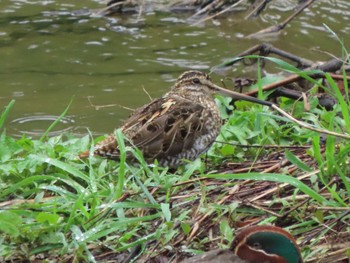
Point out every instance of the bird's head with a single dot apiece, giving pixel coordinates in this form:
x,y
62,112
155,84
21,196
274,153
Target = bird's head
x,y
192,83
266,244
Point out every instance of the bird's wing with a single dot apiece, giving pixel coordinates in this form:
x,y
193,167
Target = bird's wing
x,y
165,127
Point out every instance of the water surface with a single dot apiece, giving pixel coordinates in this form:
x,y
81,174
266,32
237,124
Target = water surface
x,y
49,55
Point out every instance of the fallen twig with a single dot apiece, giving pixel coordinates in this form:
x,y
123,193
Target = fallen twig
x,y
280,26
257,10
219,13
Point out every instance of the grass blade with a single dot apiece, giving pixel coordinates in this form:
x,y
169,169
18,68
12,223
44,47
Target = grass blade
x,y
279,178
121,174
64,166
56,121
6,112
297,162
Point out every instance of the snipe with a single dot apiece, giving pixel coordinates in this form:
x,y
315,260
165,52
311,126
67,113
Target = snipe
x,y
178,126
256,244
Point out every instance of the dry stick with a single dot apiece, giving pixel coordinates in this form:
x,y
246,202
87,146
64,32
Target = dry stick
x,y
247,163
97,107
10,203
249,188
331,66
145,91
289,79
247,169
191,181
257,10
269,170
334,221
338,255
263,209
276,166
306,102
292,169
140,11
293,198
265,49
326,208
280,26
198,180
179,2
306,126
103,11
338,77
266,146
285,214
294,78
206,8
335,246
217,14
201,219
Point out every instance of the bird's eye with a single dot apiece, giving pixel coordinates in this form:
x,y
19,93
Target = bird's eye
x,y
257,246
196,81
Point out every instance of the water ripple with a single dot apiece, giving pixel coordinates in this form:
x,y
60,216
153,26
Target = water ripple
x,y
36,125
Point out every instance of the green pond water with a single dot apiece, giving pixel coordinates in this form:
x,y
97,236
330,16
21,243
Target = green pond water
x,y
49,55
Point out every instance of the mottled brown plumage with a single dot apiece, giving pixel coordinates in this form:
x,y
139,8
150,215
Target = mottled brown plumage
x,y
178,126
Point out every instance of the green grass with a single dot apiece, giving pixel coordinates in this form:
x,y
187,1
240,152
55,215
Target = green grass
x,y
58,207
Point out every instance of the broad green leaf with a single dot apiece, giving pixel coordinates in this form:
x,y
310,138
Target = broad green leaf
x,y
166,211
297,162
226,230
51,218
186,228
10,222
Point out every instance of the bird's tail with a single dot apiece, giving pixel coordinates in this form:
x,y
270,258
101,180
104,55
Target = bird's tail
x,y
107,148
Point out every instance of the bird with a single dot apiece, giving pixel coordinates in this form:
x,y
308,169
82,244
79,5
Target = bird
x,y
179,126
255,244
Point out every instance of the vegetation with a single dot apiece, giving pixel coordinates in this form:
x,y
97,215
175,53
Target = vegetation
x,y
264,169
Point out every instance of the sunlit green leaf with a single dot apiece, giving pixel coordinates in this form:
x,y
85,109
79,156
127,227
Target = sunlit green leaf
x,y
47,217
166,211
296,161
9,223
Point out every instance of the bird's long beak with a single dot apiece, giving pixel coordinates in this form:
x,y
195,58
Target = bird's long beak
x,y
238,96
